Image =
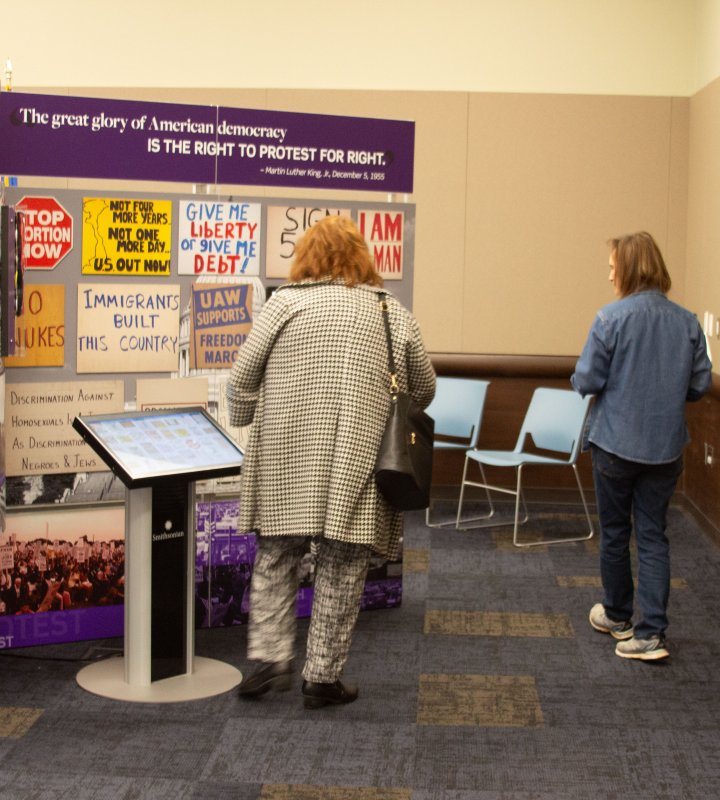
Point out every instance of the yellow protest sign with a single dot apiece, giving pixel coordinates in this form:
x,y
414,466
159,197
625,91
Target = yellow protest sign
x,y
126,237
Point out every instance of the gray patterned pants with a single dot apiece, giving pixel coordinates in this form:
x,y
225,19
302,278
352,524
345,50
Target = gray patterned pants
x,y
340,573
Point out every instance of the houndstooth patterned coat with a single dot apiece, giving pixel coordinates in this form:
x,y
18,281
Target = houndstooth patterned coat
x,y
312,377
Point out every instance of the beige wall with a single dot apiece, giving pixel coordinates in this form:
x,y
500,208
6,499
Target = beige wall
x,y
550,179
705,50
703,231
634,47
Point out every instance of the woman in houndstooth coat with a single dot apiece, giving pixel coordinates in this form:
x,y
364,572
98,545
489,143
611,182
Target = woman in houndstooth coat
x,y
312,377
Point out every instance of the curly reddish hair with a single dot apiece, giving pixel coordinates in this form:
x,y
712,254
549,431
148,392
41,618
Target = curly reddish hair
x,y
334,249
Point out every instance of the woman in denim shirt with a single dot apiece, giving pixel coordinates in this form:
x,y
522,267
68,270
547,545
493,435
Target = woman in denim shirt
x,y
644,358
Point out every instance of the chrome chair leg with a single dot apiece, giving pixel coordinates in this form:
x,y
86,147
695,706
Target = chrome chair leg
x,y
566,540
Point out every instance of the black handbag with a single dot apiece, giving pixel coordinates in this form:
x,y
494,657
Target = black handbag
x,y
403,468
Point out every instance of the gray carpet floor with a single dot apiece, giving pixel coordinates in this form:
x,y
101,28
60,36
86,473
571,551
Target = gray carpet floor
x,y
487,683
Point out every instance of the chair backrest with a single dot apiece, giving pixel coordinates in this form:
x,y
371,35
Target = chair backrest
x,y
457,409
555,420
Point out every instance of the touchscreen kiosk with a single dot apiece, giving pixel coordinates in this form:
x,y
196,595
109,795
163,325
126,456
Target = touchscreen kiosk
x,y
159,455
142,447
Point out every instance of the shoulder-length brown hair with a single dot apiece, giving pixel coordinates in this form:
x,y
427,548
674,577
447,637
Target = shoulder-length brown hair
x,y
334,249
639,264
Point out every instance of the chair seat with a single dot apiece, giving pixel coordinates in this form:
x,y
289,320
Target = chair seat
x,y
440,445
509,458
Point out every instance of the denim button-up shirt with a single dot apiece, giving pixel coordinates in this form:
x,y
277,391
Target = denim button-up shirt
x,y
644,358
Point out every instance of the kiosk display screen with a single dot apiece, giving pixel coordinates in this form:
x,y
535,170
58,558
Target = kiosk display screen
x,y
142,447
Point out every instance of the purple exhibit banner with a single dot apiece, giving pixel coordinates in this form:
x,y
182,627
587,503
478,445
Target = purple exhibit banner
x,y
62,574
83,137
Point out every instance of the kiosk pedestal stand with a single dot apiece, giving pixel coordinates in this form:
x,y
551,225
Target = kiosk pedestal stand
x,y
159,664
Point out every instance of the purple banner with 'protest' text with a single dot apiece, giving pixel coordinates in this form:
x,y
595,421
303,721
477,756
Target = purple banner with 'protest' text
x,y
81,137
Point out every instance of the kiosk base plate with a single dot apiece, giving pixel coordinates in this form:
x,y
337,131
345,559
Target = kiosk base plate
x,y
208,678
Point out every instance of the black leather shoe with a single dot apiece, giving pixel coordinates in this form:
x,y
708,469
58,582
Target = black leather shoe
x,y
276,675
317,695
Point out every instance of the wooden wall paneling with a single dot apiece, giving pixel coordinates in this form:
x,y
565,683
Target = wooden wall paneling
x,y
701,482
512,382
513,379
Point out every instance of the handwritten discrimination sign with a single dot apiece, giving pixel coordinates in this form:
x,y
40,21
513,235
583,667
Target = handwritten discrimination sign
x,y
219,238
39,436
126,237
127,328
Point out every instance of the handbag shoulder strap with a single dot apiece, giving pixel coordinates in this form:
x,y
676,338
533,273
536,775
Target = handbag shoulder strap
x,y
394,388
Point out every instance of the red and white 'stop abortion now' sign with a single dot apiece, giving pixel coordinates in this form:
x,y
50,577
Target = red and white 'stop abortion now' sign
x,y
47,232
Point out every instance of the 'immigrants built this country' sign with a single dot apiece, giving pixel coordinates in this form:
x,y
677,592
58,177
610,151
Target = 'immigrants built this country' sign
x,y
60,136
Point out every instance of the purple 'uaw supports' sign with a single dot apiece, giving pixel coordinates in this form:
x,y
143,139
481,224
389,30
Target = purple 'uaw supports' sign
x,y
80,137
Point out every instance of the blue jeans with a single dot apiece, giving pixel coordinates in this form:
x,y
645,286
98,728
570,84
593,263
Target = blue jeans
x,y
629,492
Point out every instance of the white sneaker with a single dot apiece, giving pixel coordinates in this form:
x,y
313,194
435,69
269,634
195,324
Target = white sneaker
x,y
601,622
645,649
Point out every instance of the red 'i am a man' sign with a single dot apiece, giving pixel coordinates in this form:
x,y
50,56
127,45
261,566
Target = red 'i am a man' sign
x,y
47,232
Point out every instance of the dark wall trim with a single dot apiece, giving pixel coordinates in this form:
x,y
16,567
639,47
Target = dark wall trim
x,y
510,366
715,389
503,366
